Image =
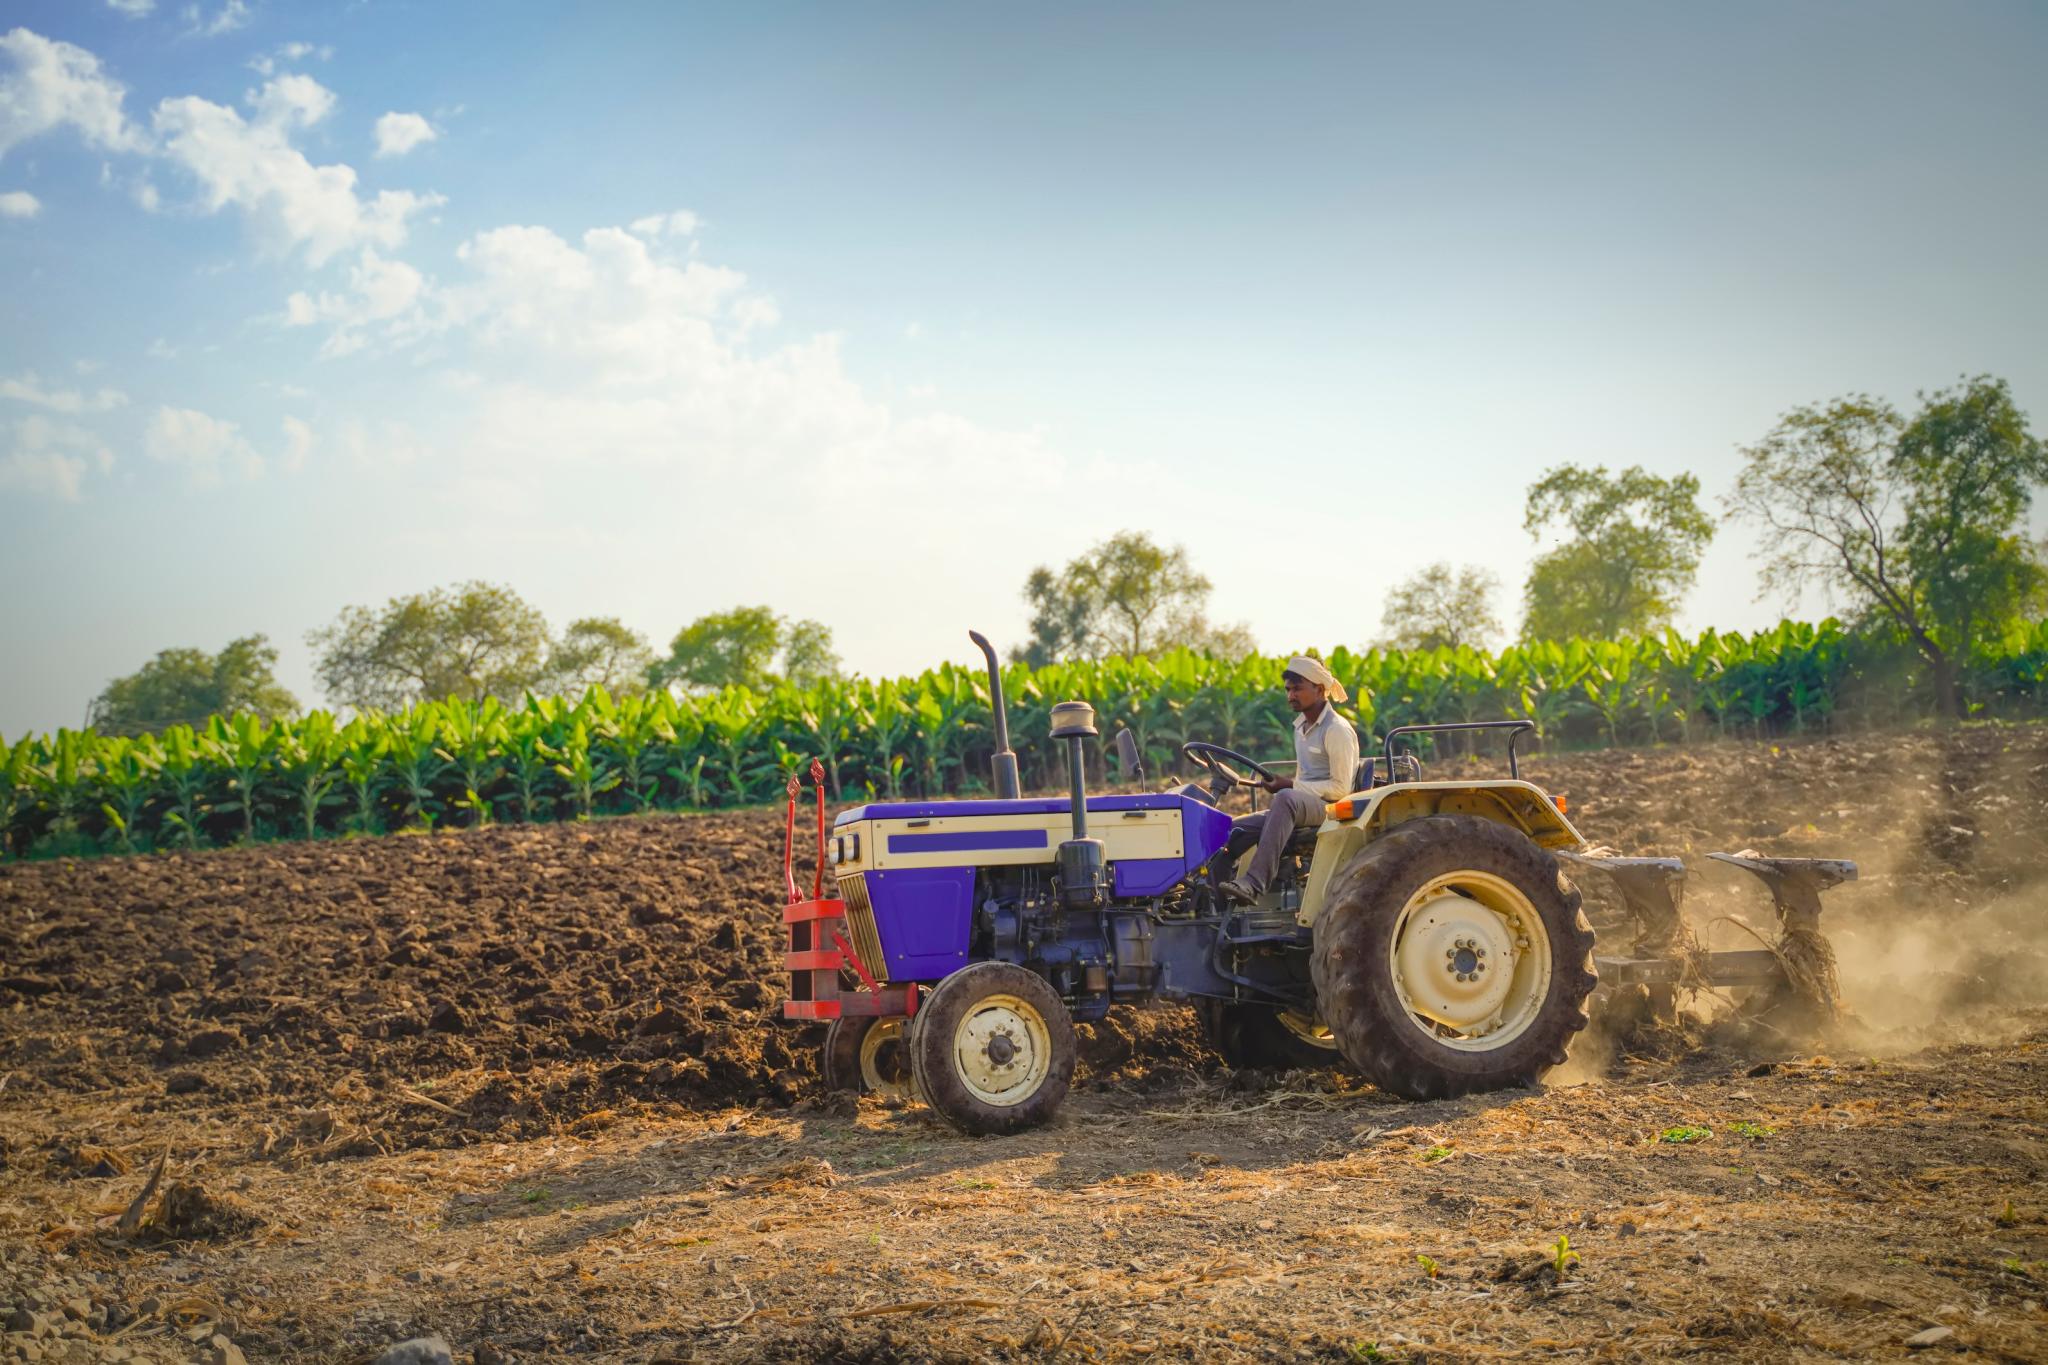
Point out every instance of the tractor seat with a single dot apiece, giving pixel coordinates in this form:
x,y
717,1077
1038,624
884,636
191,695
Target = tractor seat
x,y
1407,768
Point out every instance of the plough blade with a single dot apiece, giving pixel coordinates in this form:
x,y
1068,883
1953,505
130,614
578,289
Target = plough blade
x,y
1795,883
1651,888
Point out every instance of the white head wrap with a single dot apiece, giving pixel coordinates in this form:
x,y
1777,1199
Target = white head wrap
x,y
1302,666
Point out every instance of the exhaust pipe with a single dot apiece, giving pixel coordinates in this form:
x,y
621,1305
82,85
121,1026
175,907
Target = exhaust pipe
x,y
1003,764
1079,861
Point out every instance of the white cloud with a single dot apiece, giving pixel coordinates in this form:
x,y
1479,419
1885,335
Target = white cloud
x,y
55,84
51,458
265,63
298,445
133,9
398,134
204,446
231,16
292,99
19,204
254,167
383,291
681,223
29,389
161,350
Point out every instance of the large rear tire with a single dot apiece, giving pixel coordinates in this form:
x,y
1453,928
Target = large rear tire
x,y
1452,957
992,1049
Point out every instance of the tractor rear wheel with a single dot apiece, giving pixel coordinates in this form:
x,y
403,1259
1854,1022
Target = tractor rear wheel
x,y
864,1054
992,1049
1266,1036
1452,957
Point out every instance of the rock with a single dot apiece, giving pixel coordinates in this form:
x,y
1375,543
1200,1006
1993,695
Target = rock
x,y
727,935
184,1083
212,1042
418,1351
221,1351
487,1354
21,1320
77,1309
447,1018
192,1212
1933,1336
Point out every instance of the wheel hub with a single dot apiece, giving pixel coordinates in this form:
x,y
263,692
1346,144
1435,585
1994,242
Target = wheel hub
x,y
883,1066
1455,962
1002,1050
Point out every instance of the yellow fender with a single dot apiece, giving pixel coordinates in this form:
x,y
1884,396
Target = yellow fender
x,y
1365,816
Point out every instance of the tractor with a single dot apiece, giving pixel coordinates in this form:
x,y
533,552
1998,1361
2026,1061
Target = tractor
x,y
1425,936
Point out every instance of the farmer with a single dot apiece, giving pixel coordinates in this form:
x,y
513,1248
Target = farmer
x,y
1325,761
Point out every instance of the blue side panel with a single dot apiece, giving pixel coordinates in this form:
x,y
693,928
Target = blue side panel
x,y
1146,876
968,841
923,916
1203,830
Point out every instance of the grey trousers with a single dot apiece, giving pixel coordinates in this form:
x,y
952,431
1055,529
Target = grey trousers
x,y
1292,809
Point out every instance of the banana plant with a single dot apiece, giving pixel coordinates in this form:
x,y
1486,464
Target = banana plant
x,y
241,746
364,748
184,770
17,784
473,739
583,770
309,754
129,771
63,779
413,742
529,757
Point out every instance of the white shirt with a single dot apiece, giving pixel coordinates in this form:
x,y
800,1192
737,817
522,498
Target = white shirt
x,y
1325,754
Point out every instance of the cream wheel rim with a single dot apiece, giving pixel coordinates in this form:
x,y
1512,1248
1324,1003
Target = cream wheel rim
x,y
894,1080
1470,961
1002,1050
1310,1028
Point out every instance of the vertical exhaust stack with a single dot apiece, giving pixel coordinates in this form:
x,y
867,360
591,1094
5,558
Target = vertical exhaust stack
x,y
1003,764
1080,858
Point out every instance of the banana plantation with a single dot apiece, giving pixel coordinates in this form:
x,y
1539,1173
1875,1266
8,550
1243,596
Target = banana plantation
x,y
470,763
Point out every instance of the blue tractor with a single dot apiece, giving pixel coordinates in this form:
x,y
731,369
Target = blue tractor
x,y
1425,935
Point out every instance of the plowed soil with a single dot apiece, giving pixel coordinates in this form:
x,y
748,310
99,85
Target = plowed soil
x,y
525,1087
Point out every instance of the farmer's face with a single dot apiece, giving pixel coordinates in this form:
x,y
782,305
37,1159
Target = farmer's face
x,y
1302,694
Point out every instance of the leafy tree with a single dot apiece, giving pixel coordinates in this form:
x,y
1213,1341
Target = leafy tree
x,y
470,641
807,653
599,651
1919,524
1633,546
1127,596
738,648
185,686
1441,607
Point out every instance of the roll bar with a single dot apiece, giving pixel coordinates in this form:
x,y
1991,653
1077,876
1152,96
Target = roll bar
x,y
1515,728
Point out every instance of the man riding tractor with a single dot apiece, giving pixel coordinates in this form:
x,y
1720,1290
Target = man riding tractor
x,y
1325,756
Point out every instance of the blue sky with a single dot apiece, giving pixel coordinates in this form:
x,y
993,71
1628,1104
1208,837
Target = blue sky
x,y
862,311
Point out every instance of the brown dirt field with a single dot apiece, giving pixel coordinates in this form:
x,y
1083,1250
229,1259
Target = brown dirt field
x,y
524,1087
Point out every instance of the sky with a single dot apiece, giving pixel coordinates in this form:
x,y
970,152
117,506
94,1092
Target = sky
x,y
861,312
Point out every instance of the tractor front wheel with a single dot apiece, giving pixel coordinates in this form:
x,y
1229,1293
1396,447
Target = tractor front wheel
x,y
866,1054
1452,957
992,1049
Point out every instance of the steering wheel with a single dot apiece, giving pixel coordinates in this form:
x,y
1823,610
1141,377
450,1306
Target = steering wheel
x,y
1222,777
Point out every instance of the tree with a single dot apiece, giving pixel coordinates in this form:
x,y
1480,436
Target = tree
x,y
470,641
599,651
1634,546
1919,525
807,653
185,686
1439,607
1126,596
739,648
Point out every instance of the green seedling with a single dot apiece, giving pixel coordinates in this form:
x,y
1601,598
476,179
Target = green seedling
x,y
1432,1155
1755,1131
535,1195
1562,1257
1428,1264
1685,1132
1367,1351
2008,1216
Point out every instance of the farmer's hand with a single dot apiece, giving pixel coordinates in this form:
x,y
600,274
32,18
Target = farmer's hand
x,y
1274,784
